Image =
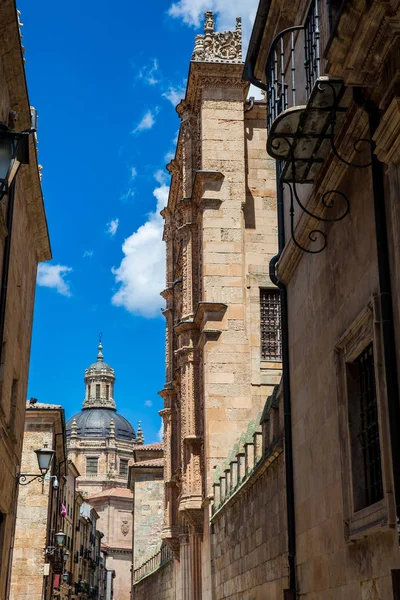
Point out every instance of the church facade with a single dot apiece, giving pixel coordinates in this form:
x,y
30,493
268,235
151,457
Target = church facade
x,y
101,444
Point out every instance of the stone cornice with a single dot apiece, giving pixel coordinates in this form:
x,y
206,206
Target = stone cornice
x,y
362,40
204,309
387,135
201,179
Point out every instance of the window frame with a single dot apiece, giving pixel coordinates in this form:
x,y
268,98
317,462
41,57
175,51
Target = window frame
x,y
276,292
96,458
124,460
366,328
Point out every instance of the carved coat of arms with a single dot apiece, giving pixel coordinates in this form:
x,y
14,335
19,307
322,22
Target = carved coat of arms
x,y
125,527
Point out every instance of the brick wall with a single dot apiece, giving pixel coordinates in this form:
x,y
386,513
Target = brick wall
x,y
160,585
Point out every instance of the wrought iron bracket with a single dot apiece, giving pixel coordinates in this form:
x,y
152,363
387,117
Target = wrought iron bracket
x,y
22,478
302,138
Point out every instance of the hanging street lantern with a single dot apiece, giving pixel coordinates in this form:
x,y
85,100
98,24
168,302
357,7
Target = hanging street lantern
x,y
14,151
60,538
44,457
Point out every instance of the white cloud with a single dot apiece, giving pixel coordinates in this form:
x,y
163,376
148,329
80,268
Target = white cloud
x,y
128,194
53,276
112,227
160,176
88,254
169,156
171,153
160,433
133,173
148,403
147,121
141,274
150,75
192,11
175,94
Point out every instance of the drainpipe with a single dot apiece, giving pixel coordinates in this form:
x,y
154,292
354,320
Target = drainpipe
x,y
3,303
6,265
289,594
385,293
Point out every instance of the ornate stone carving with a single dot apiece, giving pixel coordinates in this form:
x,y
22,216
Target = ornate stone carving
x,y
125,527
225,46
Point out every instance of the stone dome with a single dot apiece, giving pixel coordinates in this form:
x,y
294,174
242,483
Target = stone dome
x,y
96,423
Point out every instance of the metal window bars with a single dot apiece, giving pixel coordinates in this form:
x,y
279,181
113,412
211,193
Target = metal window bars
x,y
368,434
270,325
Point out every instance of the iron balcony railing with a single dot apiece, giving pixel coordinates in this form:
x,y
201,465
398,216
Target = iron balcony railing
x,y
293,65
159,559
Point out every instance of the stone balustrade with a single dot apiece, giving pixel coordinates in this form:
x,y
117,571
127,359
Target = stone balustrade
x,y
158,560
262,440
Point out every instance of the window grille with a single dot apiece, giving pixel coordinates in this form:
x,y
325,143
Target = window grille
x,y
368,432
123,467
271,339
311,47
91,465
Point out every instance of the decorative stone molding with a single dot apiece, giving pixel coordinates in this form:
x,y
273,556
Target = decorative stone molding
x,y
359,46
387,136
218,46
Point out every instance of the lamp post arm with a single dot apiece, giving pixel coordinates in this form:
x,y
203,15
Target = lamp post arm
x,y
22,478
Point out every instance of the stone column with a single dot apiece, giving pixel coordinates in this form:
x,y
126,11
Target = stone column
x,y
195,565
185,568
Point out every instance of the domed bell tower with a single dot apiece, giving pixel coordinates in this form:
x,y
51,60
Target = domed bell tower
x,y
99,381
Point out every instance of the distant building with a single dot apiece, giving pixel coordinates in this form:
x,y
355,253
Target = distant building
x,y
42,569
101,443
37,560
24,241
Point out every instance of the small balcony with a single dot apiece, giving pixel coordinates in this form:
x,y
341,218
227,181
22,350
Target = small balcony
x,y
304,107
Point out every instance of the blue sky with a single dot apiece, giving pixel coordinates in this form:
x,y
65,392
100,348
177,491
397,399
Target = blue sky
x,y
104,78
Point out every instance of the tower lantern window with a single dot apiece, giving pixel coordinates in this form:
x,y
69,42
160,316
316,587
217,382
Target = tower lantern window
x,y
107,391
97,391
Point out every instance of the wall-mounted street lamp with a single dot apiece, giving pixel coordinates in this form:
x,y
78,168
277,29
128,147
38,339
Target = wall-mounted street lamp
x,y
59,541
14,151
44,458
60,538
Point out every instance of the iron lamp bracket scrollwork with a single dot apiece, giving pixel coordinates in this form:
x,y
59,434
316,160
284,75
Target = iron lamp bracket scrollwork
x,y
302,138
22,478
332,121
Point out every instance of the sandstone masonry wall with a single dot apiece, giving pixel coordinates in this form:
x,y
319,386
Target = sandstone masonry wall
x,y
249,540
148,511
160,585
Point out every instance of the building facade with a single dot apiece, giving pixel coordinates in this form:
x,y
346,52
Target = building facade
x,y
101,443
24,242
223,352
146,482
330,71
43,569
37,560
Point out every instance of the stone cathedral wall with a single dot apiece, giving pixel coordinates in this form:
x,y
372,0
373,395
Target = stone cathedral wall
x,y
249,539
160,585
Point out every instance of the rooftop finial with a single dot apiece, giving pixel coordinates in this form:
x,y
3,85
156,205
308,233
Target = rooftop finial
x,y
100,348
218,47
139,434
